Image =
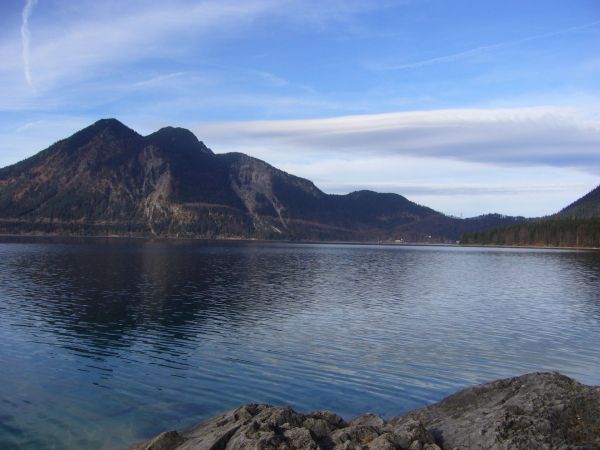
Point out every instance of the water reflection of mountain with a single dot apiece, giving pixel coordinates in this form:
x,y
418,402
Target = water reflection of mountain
x,y
110,293
113,292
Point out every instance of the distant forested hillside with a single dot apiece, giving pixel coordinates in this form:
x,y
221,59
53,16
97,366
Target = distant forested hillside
x,y
549,232
577,225
587,207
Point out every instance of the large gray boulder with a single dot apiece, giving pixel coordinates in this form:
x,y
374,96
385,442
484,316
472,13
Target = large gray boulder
x,y
534,411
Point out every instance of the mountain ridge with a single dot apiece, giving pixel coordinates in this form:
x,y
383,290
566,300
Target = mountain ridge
x,y
109,179
585,207
577,225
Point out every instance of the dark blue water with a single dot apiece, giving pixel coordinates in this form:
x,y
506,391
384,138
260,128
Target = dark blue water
x,y
105,342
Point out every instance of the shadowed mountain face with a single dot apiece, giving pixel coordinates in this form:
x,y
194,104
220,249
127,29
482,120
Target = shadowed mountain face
x,y
108,179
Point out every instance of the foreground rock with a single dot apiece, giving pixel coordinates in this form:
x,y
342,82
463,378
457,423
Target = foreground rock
x,y
534,411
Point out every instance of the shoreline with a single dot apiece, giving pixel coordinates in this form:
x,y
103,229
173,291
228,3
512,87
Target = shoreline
x,y
288,241
537,410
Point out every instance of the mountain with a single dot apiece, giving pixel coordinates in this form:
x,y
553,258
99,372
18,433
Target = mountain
x,y
577,225
109,180
587,207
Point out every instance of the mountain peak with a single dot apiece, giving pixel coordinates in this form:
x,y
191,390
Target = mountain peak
x,y
111,124
99,132
109,121
178,138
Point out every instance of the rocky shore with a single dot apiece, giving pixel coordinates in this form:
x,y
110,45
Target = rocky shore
x,y
534,411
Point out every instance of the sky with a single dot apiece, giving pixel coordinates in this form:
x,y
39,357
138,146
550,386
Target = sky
x,y
469,107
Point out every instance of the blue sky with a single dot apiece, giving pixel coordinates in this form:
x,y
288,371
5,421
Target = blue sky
x,y
465,106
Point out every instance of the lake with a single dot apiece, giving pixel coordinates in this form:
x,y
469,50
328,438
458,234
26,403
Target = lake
x,y
104,342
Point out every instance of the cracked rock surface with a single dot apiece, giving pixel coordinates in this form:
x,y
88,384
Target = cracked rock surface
x,y
534,411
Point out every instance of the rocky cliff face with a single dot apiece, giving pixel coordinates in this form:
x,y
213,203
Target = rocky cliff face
x,y
108,179
535,411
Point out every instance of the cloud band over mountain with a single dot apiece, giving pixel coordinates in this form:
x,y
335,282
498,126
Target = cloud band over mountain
x,y
541,136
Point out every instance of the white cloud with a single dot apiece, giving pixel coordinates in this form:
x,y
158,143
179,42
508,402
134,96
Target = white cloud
x,y
550,136
25,34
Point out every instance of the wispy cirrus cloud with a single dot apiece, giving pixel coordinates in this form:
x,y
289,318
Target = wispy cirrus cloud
x,y
170,31
25,35
473,52
72,52
95,50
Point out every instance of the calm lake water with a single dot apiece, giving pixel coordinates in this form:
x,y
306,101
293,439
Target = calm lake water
x,y
106,342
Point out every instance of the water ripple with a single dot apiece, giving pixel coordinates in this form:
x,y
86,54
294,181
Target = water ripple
x,y
107,342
